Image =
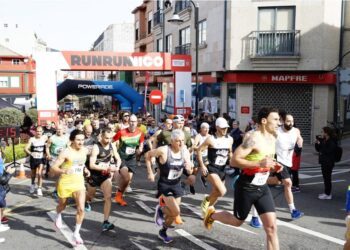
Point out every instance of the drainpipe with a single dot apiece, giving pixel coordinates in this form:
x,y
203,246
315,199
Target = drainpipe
x,y
340,64
225,35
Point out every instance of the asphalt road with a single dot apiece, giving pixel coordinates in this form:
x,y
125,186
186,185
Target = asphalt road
x,y
322,227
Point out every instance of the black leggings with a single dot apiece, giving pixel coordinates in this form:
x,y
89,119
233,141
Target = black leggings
x,y
327,178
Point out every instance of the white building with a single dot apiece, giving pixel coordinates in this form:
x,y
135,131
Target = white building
x,y
21,39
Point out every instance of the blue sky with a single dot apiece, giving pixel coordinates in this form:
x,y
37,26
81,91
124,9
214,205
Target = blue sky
x,y
67,24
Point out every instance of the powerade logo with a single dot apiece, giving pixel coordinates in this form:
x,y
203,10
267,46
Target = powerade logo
x,y
85,86
126,61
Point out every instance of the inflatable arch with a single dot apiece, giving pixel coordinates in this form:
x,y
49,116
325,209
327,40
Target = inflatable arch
x,y
129,98
50,64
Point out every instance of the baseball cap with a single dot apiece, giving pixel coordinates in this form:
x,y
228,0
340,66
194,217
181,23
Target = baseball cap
x,y
178,118
221,123
204,125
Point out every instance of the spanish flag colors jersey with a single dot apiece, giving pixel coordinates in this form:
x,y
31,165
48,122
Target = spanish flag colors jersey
x,y
128,142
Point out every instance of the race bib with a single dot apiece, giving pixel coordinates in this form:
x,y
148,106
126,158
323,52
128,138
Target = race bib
x,y
37,155
103,164
58,150
78,169
220,160
130,150
174,174
260,178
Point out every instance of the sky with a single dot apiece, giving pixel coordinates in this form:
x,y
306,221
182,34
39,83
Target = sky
x,y
67,24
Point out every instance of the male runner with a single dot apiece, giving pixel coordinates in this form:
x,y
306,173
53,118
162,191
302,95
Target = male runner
x,y
219,148
101,171
70,165
129,142
36,150
255,158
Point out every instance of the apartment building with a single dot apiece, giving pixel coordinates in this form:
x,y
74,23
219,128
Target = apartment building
x,y
17,75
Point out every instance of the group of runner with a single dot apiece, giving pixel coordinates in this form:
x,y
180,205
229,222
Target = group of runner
x,y
95,157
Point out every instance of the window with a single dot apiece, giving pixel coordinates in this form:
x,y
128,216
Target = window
x,y
149,22
202,26
160,45
276,30
15,61
137,28
169,43
185,36
9,82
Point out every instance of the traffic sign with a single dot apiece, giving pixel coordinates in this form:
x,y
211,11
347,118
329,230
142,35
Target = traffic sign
x,y
156,97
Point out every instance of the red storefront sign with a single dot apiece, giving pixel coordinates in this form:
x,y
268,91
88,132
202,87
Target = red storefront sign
x,y
245,110
281,77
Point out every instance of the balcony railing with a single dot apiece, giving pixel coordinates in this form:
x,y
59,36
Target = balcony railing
x,y
274,43
181,5
158,18
184,49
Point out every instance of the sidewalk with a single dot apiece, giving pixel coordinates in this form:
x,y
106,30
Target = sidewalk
x,y
309,156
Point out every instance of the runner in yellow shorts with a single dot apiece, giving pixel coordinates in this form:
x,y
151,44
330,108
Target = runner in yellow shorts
x,y
70,164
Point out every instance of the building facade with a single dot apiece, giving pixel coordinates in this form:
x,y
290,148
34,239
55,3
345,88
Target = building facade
x,y
17,75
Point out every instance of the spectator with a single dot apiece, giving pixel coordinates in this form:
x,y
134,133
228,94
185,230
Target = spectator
x,y
326,146
295,168
236,134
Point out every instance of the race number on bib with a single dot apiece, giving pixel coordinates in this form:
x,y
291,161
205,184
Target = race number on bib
x,y
37,155
130,150
260,178
103,164
220,160
174,174
78,169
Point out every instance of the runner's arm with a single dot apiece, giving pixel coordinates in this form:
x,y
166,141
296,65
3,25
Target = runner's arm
x,y
93,157
200,149
47,149
59,161
27,147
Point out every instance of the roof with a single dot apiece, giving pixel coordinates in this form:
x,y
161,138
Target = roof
x,y
5,104
4,51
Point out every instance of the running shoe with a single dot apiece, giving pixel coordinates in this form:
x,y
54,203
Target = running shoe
x,y
106,226
77,240
164,237
32,189
87,207
128,189
208,221
324,197
192,190
295,190
2,240
296,214
161,201
204,182
158,216
39,192
178,220
205,204
4,228
119,199
255,222
4,219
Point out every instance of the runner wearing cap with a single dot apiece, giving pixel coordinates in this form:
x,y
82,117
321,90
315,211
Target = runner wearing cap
x,y
219,153
255,157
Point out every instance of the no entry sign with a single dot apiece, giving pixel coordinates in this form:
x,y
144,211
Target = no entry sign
x,y
156,97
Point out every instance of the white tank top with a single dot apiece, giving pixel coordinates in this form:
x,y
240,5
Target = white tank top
x,y
285,146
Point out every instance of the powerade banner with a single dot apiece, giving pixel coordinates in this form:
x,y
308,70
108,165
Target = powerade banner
x,y
129,99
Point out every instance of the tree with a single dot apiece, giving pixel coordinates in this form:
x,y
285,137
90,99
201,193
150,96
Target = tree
x,y
11,117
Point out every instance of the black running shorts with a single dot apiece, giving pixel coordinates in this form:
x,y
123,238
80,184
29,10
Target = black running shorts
x,y
247,195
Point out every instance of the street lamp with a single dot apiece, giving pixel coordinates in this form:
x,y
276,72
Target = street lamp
x,y
176,19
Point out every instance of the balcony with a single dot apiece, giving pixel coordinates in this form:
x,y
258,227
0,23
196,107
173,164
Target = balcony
x,y
182,5
184,49
274,49
158,18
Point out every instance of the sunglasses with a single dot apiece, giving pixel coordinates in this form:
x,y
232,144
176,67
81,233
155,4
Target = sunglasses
x,y
126,115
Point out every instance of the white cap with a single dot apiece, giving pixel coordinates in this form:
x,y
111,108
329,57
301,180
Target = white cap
x,y
204,125
221,123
